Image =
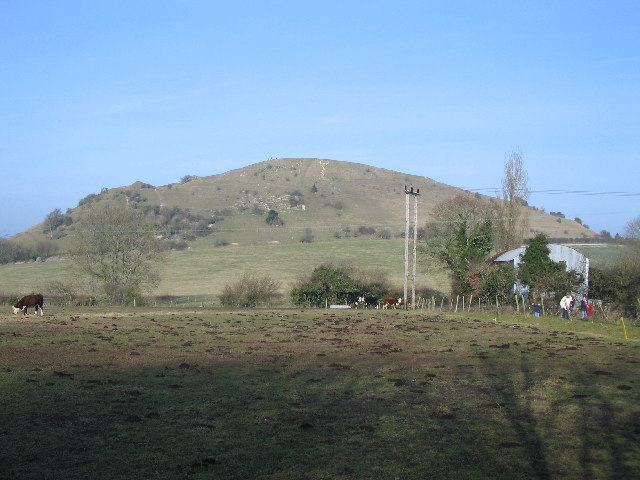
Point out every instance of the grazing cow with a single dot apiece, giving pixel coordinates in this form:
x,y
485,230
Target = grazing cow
x,y
27,301
391,302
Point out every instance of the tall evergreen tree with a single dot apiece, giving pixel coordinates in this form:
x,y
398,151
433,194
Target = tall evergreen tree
x,y
460,239
468,247
542,274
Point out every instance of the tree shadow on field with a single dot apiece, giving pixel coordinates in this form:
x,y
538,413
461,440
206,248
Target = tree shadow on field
x,y
232,421
567,427
289,398
514,402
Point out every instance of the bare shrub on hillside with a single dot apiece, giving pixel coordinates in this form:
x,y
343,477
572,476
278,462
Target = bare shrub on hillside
x,y
338,205
307,237
295,199
258,210
251,291
364,230
89,199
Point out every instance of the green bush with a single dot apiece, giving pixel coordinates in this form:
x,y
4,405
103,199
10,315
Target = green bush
x,y
339,285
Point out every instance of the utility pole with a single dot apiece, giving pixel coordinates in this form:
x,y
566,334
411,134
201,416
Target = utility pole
x,y
408,222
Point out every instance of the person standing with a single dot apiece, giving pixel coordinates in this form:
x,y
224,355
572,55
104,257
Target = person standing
x,y
537,309
584,307
565,305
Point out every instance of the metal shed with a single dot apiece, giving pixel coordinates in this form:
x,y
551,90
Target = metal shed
x,y
573,259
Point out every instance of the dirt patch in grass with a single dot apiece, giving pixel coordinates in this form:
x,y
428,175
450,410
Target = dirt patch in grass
x,y
313,395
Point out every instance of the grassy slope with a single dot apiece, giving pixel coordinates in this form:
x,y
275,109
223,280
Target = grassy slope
x,y
347,194
204,269
600,255
272,395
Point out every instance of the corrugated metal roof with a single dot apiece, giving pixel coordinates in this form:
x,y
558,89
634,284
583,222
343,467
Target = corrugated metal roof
x,y
574,260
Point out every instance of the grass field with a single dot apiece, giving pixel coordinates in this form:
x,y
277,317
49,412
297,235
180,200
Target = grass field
x,y
291,394
601,255
205,269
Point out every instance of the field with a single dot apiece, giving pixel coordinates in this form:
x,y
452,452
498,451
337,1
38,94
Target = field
x,y
324,394
204,269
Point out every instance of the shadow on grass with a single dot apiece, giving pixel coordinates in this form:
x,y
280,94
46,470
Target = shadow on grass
x,y
388,397
565,425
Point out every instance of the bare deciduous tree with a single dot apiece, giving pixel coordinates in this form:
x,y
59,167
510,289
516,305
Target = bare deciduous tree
x,y
632,231
251,291
116,246
515,193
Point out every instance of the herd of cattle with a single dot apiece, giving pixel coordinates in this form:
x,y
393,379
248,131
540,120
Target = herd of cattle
x,y
36,301
387,302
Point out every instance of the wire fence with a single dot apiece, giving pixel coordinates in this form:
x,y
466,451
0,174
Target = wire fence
x,y
518,305
601,313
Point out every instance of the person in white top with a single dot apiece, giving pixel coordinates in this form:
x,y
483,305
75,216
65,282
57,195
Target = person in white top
x,y
565,305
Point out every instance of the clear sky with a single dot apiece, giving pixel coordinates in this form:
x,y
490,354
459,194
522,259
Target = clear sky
x,y
104,93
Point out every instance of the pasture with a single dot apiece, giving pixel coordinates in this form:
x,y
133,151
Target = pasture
x,y
204,269
322,394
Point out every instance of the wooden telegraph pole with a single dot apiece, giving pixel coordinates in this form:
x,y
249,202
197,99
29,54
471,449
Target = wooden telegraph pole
x,y
408,222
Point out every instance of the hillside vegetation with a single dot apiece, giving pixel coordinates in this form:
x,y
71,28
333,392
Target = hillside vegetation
x,y
324,195
215,227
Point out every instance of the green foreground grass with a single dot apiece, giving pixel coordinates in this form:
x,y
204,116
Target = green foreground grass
x,y
173,393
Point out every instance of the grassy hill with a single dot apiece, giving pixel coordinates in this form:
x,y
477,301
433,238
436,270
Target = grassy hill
x,y
324,195
350,213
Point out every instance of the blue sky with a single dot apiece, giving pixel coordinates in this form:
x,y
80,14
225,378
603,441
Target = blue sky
x,y
105,93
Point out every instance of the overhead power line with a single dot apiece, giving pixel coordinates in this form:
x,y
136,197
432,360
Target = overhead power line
x,y
560,192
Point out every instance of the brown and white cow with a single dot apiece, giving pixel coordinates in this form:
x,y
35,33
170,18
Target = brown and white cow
x,y
27,301
391,302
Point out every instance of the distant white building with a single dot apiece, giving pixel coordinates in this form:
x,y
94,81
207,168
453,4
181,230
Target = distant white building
x,y
573,259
